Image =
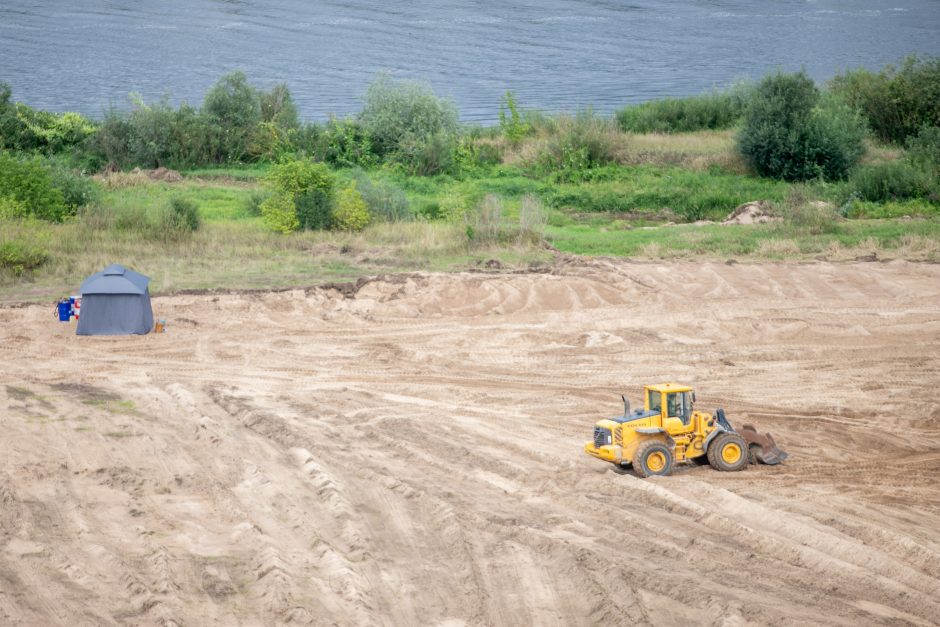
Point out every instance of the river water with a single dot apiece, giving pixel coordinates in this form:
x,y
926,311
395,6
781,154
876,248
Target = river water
x,y
555,54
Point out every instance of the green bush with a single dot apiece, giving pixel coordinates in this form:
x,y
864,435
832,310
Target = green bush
x,y
427,155
484,224
232,108
30,182
710,111
511,122
27,129
897,101
251,202
577,145
346,143
895,180
12,209
279,213
383,199
400,112
350,213
309,187
9,124
790,133
23,246
183,215
923,149
812,216
471,153
532,219
77,190
278,108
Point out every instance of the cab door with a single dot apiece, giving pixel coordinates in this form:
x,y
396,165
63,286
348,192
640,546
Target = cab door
x,y
678,412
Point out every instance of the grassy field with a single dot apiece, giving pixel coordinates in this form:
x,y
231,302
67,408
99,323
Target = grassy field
x,y
639,208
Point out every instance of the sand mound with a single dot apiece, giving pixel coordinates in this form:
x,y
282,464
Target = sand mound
x,y
166,175
407,450
754,212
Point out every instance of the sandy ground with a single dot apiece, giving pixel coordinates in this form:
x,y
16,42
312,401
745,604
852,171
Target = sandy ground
x,y
412,454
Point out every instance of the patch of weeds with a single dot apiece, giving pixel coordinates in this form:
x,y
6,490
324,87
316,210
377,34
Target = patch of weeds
x,y
121,434
20,394
112,405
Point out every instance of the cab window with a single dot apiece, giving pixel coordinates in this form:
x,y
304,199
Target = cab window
x,y
672,405
679,405
655,401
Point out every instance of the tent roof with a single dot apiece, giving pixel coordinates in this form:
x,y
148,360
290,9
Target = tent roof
x,y
115,279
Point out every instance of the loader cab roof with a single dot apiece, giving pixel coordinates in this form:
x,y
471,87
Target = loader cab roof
x,y
669,387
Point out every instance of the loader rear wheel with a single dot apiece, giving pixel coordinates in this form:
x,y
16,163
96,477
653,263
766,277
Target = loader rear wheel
x,y
728,452
653,458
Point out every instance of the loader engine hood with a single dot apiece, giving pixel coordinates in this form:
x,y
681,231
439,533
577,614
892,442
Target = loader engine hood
x,y
637,414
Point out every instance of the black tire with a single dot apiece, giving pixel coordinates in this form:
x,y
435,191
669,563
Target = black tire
x,y
728,452
653,458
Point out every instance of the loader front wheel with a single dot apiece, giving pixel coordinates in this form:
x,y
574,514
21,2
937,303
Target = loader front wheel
x,y
653,458
728,452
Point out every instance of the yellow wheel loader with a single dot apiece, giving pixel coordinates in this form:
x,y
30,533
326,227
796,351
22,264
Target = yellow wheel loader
x,y
668,430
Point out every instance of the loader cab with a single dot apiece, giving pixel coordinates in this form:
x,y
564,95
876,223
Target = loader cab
x,y
673,403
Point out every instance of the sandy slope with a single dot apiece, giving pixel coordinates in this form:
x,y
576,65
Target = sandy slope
x,y
412,455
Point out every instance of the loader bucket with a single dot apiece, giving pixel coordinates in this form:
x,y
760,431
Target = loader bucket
x,y
761,446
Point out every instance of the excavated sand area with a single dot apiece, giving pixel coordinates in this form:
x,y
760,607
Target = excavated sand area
x,y
411,453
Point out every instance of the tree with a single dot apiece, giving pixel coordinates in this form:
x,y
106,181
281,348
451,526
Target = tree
x,y
791,133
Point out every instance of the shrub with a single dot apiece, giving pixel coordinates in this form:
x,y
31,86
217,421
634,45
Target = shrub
x,y
12,209
923,149
453,208
309,186
50,132
395,112
484,225
471,152
278,108
813,216
383,199
578,144
427,155
251,203
30,182
787,135
898,101
532,219
233,111
511,123
894,180
350,213
711,111
23,247
9,124
183,215
346,143
77,190
280,214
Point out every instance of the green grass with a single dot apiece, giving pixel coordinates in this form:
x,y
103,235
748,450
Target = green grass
x,y
914,239
670,192
244,173
216,203
660,179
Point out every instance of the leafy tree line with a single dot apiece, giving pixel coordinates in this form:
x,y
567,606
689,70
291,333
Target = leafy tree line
x,y
788,128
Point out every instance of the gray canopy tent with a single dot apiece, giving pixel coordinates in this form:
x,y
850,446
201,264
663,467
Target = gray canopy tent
x,y
115,301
